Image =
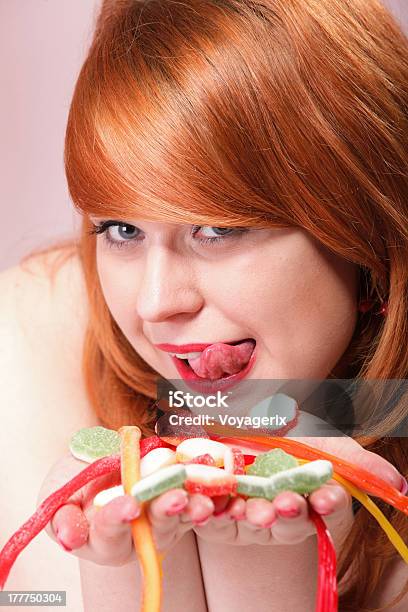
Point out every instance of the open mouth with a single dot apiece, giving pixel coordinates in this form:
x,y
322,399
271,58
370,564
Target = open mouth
x,y
219,366
234,343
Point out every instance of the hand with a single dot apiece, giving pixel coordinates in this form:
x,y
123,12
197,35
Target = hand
x,y
285,519
103,535
281,521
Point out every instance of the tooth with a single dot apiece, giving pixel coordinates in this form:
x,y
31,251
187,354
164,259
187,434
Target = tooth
x,y
188,355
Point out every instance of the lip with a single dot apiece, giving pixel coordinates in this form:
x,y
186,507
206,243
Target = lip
x,y
190,348
203,385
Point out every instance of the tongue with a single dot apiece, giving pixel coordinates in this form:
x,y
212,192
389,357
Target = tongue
x,y
220,358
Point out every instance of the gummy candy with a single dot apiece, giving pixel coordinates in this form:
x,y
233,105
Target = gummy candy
x,y
205,459
234,461
272,462
155,484
91,443
209,480
155,460
104,497
194,447
301,479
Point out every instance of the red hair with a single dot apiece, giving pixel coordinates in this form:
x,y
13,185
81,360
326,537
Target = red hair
x,y
254,113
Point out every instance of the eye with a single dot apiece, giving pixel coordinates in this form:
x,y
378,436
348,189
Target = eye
x,y
221,233
127,233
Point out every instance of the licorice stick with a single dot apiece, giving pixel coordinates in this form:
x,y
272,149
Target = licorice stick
x,y
381,519
355,474
149,559
327,595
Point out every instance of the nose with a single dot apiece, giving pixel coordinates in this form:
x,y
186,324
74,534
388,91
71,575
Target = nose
x,y
167,287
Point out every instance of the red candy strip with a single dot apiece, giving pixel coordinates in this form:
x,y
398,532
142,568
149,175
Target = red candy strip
x,y
362,478
48,508
44,513
148,444
210,490
327,595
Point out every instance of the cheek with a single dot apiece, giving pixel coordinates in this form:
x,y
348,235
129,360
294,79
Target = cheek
x,y
301,306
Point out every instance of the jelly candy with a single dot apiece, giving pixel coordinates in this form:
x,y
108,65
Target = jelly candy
x,y
155,460
234,461
91,443
104,497
194,447
302,479
272,462
209,480
155,484
204,459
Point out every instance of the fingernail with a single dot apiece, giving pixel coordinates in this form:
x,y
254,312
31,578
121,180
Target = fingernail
x,y
175,509
131,516
268,524
203,522
238,517
130,513
404,487
64,546
290,512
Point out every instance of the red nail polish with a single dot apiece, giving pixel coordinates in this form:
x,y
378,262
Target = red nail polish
x,y
323,510
268,525
131,516
404,487
64,546
175,509
290,512
202,522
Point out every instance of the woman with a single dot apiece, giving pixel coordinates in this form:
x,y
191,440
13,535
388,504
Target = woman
x,y
282,126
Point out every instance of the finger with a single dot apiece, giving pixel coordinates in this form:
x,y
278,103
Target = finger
x,y
293,524
69,526
164,510
236,509
260,512
199,508
110,536
331,500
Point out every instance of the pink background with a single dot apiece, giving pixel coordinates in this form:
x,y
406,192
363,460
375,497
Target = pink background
x,y
42,46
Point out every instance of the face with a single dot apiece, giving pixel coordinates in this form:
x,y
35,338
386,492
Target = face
x,y
162,284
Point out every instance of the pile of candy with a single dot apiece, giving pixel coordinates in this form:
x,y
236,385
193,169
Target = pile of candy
x,y
202,465
212,465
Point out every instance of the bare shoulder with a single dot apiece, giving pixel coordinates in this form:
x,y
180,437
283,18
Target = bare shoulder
x,y
43,320
40,292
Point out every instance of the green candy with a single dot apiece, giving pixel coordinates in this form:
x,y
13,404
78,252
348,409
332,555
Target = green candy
x,y
302,479
272,462
91,443
169,477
